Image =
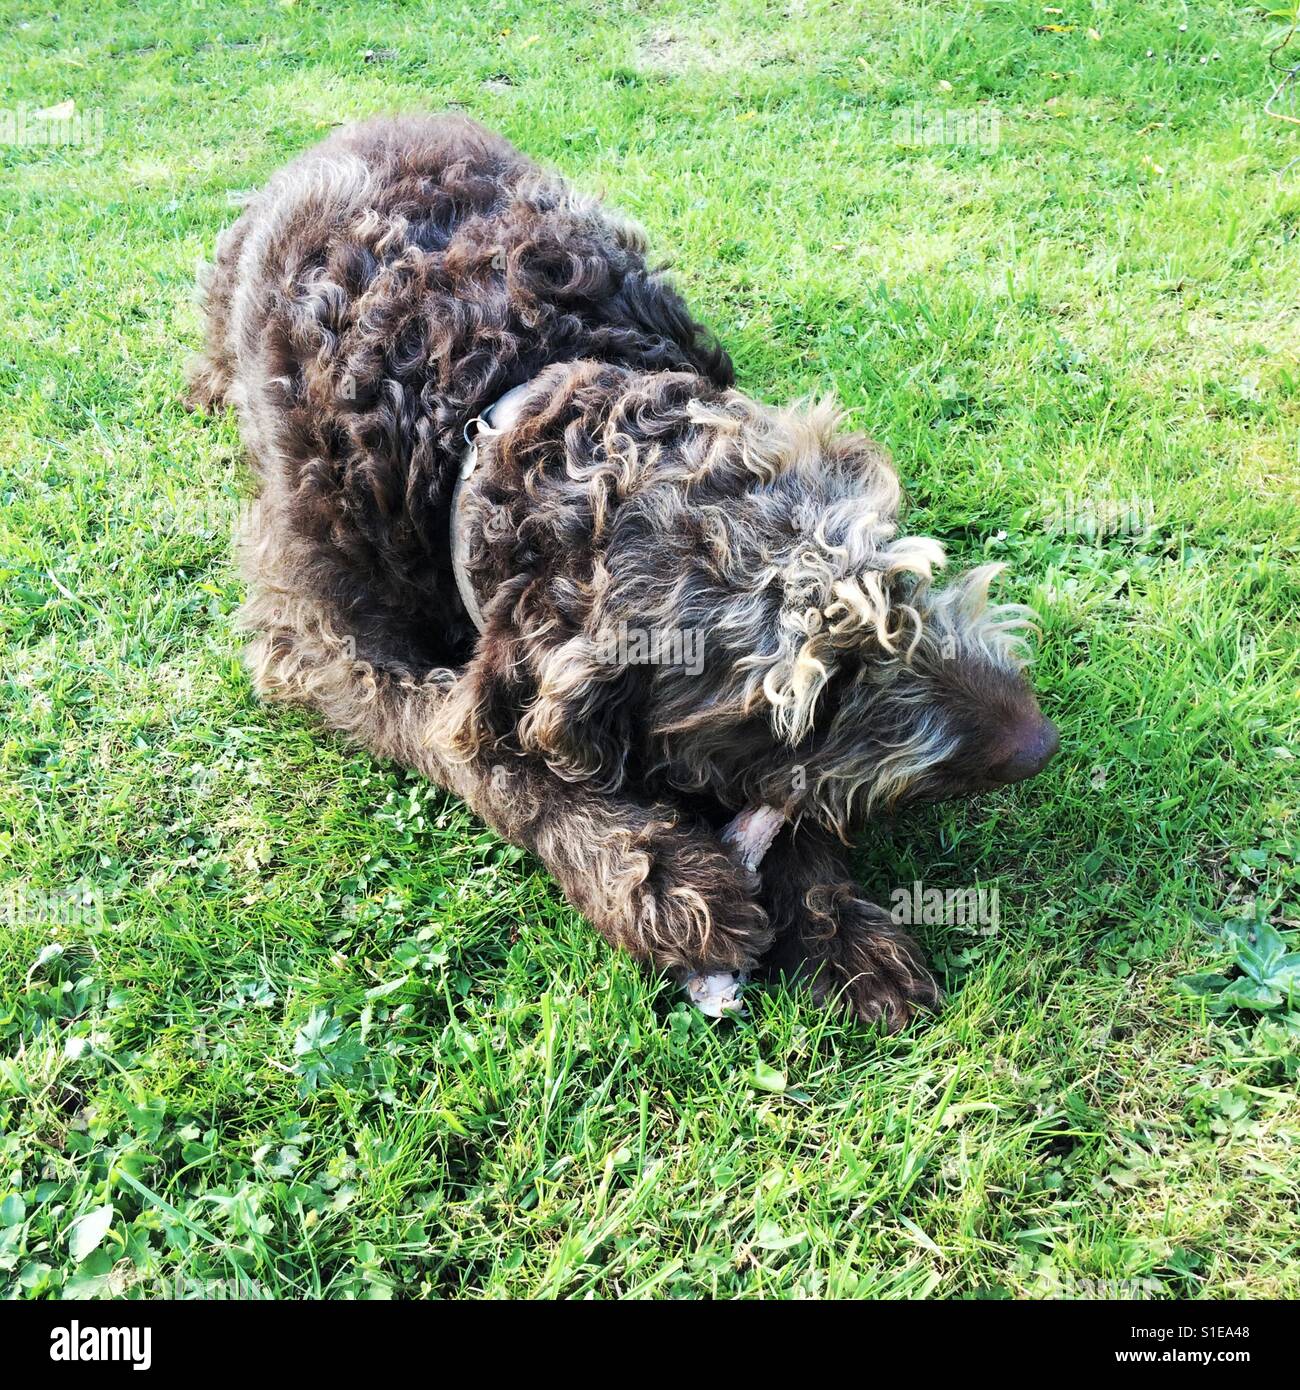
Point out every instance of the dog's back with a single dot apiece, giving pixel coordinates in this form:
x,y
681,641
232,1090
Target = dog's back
x,y
380,292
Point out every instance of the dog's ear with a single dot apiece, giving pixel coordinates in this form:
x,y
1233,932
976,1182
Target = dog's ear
x,y
580,722
794,682
832,607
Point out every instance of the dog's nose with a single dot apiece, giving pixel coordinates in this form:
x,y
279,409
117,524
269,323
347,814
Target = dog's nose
x,y
1030,755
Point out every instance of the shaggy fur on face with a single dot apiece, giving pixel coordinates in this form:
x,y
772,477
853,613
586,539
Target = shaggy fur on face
x,y
693,603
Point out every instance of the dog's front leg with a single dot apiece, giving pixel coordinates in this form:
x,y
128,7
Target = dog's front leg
x,y
651,881
827,932
662,889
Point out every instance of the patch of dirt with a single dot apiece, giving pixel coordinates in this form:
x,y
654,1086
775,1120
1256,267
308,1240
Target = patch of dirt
x,y
670,53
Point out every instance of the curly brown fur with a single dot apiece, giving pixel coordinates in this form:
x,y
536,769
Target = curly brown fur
x,y
380,294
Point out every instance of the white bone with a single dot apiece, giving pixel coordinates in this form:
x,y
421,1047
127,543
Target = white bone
x,y
749,835
715,995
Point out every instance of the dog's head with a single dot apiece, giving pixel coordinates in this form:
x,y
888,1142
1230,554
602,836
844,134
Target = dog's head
x,y
852,681
754,628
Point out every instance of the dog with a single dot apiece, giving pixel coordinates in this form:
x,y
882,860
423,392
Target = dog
x,y
516,529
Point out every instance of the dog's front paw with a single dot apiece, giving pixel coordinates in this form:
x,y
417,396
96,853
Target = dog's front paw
x,y
697,912
855,957
881,978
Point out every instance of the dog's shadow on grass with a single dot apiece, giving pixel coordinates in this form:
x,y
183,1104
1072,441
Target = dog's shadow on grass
x,y
945,874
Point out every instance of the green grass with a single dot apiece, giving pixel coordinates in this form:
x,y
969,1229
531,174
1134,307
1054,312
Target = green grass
x,y
314,1031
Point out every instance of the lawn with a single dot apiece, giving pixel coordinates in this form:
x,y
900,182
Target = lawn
x,y
278,1019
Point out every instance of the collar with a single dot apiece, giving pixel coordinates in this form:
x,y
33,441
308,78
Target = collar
x,y
496,419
